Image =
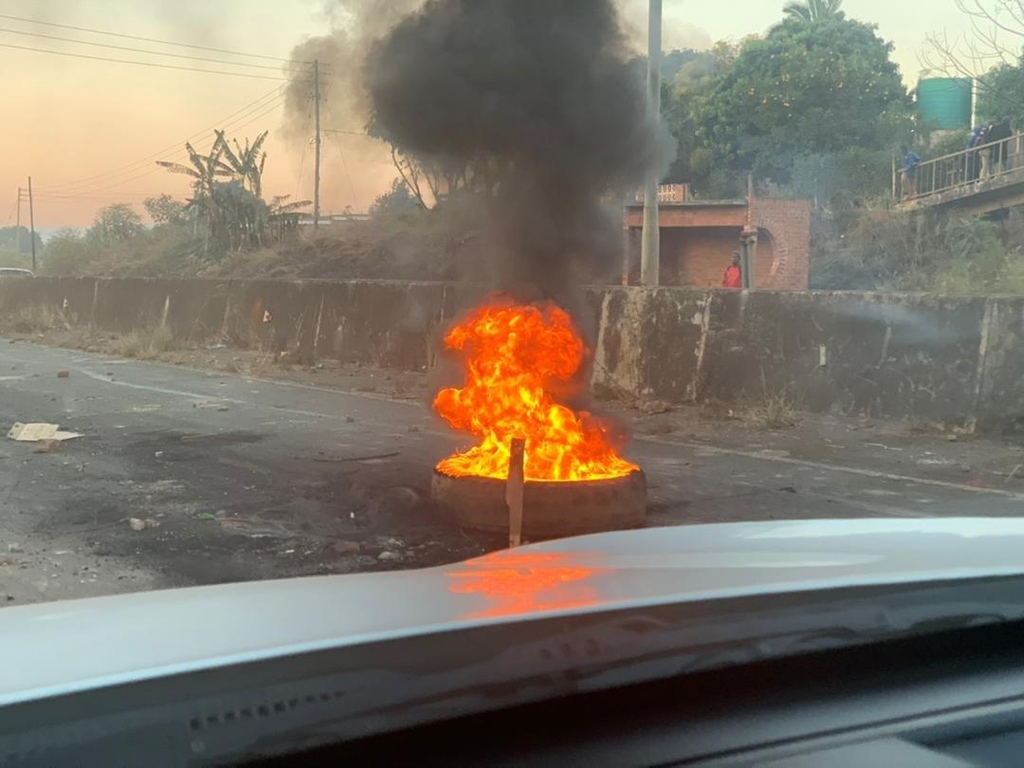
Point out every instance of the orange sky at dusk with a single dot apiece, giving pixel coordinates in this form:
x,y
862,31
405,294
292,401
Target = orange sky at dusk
x,y
88,131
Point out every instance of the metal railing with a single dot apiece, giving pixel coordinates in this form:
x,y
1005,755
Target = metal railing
x,y
961,169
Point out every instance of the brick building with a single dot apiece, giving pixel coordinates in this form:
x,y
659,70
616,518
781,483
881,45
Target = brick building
x,y
698,238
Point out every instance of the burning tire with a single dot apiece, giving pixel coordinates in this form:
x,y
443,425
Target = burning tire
x,y
550,509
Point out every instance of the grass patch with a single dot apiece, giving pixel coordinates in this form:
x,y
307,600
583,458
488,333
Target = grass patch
x,y
37,319
776,410
148,344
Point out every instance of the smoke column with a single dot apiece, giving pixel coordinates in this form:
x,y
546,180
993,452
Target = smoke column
x,y
539,93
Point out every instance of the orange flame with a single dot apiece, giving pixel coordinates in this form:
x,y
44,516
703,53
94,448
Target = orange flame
x,y
516,355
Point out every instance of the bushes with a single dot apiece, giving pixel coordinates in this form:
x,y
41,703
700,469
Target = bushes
x,y
886,249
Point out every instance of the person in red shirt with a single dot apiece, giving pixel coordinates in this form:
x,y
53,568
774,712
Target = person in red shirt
x,y
733,276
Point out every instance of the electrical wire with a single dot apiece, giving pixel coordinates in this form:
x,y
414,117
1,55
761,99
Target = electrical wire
x,y
177,147
140,63
341,151
149,39
180,154
276,68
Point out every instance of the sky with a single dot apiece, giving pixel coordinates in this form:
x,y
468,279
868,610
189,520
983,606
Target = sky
x,y
89,131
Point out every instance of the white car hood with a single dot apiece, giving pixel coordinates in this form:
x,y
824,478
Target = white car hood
x,y
62,647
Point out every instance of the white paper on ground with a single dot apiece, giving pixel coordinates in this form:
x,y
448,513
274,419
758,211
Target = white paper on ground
x,y
36,431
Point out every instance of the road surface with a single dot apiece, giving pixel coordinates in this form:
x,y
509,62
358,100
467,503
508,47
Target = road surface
x,y
236,478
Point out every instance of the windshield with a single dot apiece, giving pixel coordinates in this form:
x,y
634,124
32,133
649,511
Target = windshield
x,y
348,286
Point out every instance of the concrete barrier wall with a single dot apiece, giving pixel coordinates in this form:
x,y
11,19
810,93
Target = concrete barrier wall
x,y
953,359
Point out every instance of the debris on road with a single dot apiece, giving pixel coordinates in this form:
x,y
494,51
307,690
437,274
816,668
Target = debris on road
x,y
136,524
654,407
48,446
16,549
63,374
36,431
389,556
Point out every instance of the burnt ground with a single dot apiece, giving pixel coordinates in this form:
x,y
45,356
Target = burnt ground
x,y
236,476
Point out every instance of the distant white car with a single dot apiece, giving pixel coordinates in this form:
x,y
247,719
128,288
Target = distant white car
x,y
15,272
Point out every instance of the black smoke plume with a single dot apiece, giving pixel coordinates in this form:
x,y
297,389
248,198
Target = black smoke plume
x,y
538,93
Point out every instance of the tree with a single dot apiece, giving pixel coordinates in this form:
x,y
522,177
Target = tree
x,y
165,210
1001,94
17,241
683,95
996,38
813,10
68,252
398,200
805,89
115,223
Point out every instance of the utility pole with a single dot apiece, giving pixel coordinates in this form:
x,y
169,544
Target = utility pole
x,y
316,119
17,229
32,223
650,245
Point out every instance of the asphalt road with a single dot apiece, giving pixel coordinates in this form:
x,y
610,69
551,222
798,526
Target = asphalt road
x,y
237,478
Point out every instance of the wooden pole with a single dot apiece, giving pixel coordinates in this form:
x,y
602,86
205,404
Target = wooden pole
x,y
32,223
316,171
17,227
514,492
650,239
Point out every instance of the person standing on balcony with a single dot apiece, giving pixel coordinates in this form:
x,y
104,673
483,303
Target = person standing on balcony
x,y
910,162
986,153
733,276
972,157
1000,132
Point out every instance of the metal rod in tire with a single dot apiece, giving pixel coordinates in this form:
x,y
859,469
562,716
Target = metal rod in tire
x,y
514,492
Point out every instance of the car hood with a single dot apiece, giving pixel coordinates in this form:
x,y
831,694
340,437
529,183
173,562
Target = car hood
x,y
62,647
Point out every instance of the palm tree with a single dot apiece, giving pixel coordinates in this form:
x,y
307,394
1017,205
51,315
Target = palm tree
x,y
813,10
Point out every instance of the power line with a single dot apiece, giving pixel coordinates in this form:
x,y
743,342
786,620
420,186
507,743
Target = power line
x,y
349,133
276,68
148,39
176,147
140,63
173,158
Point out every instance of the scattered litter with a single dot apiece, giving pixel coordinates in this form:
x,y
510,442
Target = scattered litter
x,y
349,420
788,489
151,523
158,454
16,549
217,346
62,552
372,457
36,431
389,556
951,438
652,407
137,524
48,446
288,552
206,516
63,374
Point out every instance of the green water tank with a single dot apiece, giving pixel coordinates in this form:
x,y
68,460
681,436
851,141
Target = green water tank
x,y
944,103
